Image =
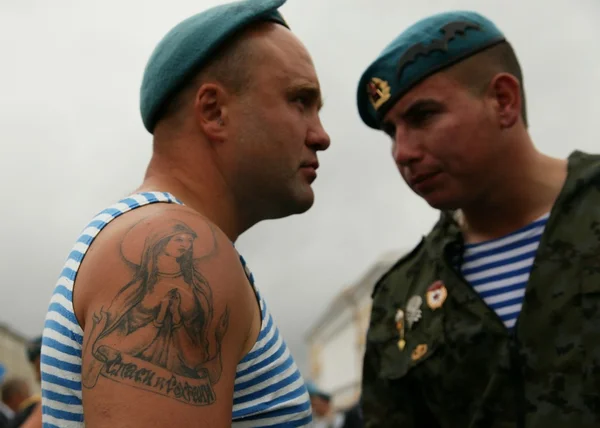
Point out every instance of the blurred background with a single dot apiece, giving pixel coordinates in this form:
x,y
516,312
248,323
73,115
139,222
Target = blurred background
x,y
72,142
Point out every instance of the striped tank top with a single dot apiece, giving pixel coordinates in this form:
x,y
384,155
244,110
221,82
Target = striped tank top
x,y
499,269
268,391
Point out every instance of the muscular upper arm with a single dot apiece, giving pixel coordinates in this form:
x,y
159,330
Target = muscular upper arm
x,y
167,309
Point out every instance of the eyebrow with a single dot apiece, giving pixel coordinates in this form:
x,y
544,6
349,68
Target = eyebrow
x,y
310,90
419,105
411,110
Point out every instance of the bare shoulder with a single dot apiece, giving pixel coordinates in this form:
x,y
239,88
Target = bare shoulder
x,y
153,240
166,308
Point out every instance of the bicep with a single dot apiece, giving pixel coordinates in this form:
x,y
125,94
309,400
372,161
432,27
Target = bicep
x,y
161,344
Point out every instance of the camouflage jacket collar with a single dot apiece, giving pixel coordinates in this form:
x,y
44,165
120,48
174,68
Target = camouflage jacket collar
x,y
582,170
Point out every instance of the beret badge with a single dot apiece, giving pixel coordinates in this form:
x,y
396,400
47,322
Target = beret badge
x,y
379,92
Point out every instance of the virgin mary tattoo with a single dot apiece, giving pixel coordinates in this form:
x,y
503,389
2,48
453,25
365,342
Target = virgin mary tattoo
x,y
160,332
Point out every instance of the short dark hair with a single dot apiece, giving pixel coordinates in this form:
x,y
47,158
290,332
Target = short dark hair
x,y
478,71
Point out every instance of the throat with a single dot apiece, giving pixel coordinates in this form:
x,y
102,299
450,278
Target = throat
x,y
514,202
168,266
496,227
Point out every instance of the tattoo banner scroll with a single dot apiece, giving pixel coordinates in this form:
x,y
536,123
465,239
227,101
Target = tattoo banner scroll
x,y
123,368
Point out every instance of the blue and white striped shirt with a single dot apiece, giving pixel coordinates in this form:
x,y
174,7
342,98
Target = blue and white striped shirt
x,y
499,269
269,390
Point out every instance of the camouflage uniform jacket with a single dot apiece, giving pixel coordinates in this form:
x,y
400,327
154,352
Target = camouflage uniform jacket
x,y
459,367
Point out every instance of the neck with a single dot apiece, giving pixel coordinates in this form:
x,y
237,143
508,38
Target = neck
x,y
522,193
167,264
198,184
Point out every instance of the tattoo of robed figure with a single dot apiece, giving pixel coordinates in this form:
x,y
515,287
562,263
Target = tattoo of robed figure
x,y
160,332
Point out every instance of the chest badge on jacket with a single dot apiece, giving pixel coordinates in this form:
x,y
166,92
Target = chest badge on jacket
x,y
436,295
419,352
399,318
413,310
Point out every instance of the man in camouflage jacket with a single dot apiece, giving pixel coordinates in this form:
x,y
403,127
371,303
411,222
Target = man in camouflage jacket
x,y
449,93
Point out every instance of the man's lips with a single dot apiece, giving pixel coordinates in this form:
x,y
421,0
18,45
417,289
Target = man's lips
x,y
421,178
310,170
313,164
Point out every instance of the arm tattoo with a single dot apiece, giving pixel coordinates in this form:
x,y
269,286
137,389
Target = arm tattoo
x,y
160,332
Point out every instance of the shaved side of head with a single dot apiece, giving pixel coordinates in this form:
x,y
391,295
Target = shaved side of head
x,y
232,67
476,72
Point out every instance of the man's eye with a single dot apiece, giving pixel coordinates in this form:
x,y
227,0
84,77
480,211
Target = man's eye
x,y
421,117
302,100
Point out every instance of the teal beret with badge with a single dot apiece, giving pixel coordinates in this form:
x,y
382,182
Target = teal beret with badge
x,y
185,49
432,44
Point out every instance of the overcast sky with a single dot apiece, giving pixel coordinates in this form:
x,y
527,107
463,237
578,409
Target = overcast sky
x,y
72,141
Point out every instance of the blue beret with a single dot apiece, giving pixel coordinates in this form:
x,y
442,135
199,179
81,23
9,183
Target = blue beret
x,y
423,49
191,44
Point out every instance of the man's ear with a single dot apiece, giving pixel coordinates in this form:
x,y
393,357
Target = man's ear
x,y
506,93
210,107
